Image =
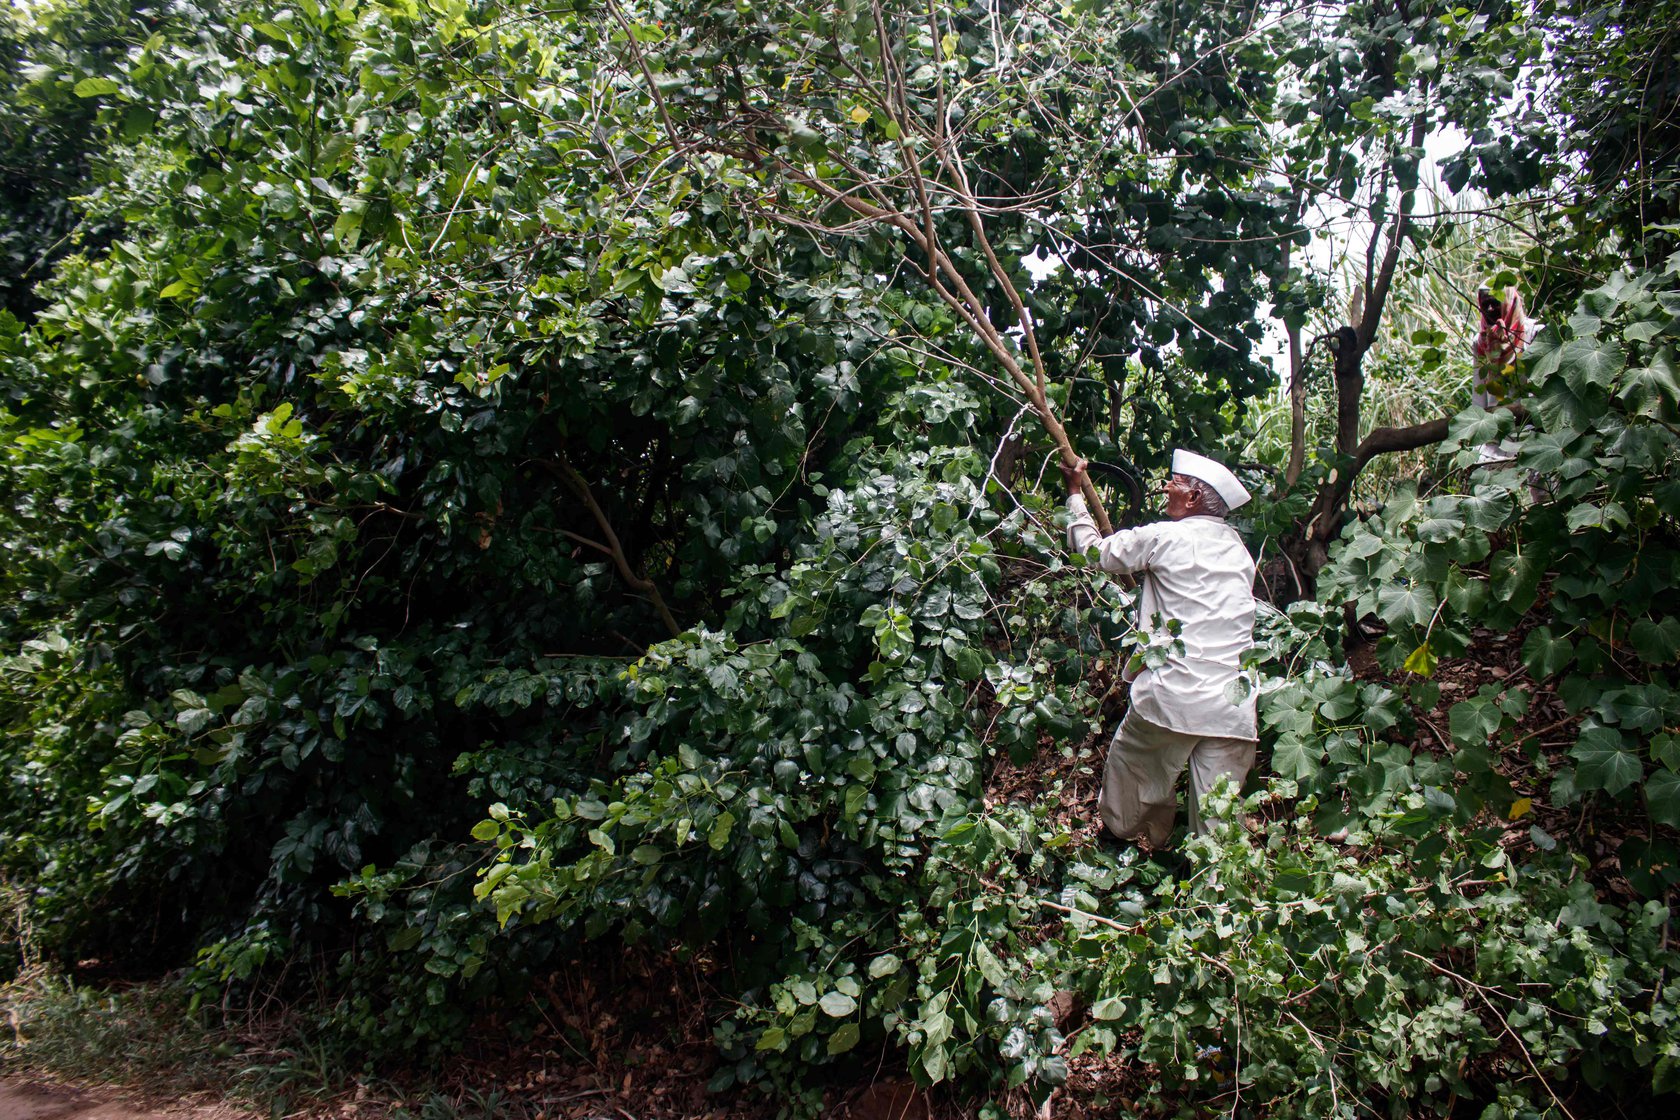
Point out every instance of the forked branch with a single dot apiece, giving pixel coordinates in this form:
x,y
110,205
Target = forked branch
x,y
612,547
903,201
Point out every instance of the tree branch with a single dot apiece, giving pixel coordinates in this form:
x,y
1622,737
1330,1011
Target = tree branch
x,y
575,482
1385,441
1377,296
1381,441
961,298
914,218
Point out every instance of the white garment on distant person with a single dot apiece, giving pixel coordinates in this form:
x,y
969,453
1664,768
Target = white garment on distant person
x,y
1198,571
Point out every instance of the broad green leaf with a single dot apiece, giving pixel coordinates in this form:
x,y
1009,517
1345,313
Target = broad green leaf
x,y
837,1004
884,965
1662,797
1472,722
193,720
1560,407
1544,355
1112,1007
1476,426
1592,361
1652,389
1402,504
96,87
1643,330
844,1038
1547,451
1585,516
1665,748
1297,757
1584,324
1544,653
990,967
1467,594
1667,497
404,939
1636,708
1516,577
1488,510
1602,762
1665,1075
1473,760
718,838
1406,604
1437,529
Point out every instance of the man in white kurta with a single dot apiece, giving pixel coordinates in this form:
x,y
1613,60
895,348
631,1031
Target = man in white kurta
x,y
1189,711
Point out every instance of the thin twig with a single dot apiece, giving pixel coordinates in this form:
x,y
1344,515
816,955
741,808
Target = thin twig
x,y
1543,730
1482,991
1098,918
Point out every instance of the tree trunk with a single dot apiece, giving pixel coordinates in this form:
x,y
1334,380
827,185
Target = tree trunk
x,y
1297,411
1324,519
1349,370
1310,551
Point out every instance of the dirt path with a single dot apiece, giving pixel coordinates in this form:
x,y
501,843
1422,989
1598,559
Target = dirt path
x,y
20,1100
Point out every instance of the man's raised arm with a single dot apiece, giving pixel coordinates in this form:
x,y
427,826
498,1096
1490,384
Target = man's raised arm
x,y
1125,552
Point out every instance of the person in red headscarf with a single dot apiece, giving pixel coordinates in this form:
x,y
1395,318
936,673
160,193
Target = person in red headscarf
x,y
1502,333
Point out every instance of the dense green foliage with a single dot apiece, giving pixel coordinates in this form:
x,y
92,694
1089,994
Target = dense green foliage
x,y
477,491
1580,530
1617,86
47,134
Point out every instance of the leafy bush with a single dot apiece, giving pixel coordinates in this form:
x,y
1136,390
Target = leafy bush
x,y
807,799
1414,967
1582,528
442,527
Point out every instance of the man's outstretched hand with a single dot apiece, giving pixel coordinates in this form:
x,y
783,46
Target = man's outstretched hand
x,y
1074,476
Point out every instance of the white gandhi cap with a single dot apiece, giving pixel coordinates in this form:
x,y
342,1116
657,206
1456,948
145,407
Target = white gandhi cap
x,y
1224,483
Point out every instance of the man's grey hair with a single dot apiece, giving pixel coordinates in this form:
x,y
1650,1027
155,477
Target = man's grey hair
x,y
1211,501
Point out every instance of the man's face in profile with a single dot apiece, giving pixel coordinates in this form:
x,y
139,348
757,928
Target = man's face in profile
x,y
1181,496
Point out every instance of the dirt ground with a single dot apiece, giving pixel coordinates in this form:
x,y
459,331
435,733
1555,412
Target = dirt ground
x,y
20,1100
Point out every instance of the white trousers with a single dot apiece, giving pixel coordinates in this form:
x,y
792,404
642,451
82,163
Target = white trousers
x,y
1144,762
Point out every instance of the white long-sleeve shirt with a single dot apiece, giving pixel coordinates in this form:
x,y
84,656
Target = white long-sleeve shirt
x,y
1198,571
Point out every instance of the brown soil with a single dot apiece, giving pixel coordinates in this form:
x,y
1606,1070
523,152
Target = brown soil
x,y
27,1099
